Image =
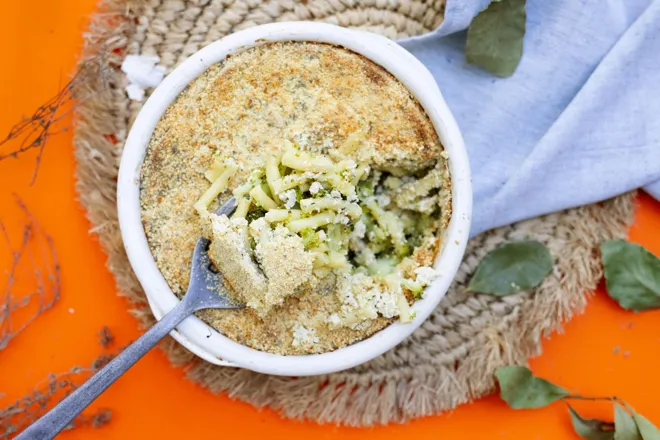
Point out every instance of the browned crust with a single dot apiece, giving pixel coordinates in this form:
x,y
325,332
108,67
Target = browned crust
x,y
244,107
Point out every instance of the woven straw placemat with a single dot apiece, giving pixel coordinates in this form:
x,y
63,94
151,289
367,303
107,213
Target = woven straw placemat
x,y
450,359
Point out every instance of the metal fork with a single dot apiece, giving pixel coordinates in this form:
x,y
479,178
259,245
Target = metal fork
x,y
203,293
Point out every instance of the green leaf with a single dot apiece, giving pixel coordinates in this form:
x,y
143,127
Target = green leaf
x,y
495,37
625,426
521,390
591,429
646,428
632,274
512,268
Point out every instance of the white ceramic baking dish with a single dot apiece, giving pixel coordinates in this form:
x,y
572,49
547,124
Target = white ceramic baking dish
x,y
193,333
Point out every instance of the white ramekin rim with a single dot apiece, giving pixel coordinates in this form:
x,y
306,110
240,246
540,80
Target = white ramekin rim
x,y
196,335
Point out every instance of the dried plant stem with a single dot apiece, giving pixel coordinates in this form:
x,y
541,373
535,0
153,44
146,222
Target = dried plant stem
x,y
36,252
33,132
26,410
23,412
578,397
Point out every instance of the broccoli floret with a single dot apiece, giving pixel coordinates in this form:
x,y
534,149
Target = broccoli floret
x,y
337,237
366,188
403,250
310,238
299,195
376,235
366,219
254,213
413,286
410,221
383,266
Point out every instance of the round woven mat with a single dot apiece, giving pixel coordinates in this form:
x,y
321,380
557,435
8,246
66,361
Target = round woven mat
x,y
450,359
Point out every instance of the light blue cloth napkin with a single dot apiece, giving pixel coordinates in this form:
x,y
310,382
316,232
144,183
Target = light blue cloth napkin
x,y
577,123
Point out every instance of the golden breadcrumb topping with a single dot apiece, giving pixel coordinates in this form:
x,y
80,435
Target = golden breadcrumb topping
x,y
343,194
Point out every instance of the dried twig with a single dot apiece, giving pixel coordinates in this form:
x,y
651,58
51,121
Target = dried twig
x,y
105,337
26,410
96,419
33,132
36,253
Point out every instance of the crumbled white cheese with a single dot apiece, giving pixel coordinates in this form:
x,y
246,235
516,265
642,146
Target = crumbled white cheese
x,y
333,319
369,256
222,224
359,230
382,200
364,297
427,205
302,139
352,198
257,227
229,161
387,305
357,244
425,275
304,337
342,219
315,187
142,73
345,290
363,253
335,194
288,197
367,300
392,182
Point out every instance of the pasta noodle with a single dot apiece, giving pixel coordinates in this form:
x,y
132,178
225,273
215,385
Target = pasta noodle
x,y
218,185
277,215
261,198
349,219
242,208
311,222
273,171
303,161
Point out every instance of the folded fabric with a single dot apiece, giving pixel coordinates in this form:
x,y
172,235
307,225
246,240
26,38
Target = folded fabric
x,y
577,123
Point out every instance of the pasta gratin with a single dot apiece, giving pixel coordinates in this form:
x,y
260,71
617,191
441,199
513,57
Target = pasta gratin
x,y
320,216
342,194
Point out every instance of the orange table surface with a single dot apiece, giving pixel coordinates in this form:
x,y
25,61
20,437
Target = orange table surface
x,y
39,41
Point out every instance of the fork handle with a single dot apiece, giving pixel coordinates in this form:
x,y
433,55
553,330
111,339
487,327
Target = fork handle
x,y
55,420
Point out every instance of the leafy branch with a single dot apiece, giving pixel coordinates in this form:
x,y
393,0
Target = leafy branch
x,y
520,389
632,273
